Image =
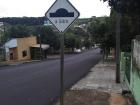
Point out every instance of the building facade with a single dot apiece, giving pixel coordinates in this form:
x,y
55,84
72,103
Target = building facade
x,y
19,48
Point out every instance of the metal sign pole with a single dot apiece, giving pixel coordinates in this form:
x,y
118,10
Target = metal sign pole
x,y
61,68
62,14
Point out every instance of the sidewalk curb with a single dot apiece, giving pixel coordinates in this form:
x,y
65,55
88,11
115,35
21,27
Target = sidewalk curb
x,y
3,65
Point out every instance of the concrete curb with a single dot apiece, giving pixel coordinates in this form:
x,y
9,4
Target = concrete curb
x,y
3,65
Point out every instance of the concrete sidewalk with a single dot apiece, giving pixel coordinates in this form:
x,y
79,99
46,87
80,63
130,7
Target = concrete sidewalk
x,y
97,88
101,77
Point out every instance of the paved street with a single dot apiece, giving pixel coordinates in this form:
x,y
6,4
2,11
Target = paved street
x,y
38,83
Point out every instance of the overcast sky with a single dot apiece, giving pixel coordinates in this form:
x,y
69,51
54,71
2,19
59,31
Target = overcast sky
x,y
37,8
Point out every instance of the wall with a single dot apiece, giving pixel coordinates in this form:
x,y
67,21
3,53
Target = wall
x,y
14,53
24,45
10,44
130,69
135,70
135,84
125,67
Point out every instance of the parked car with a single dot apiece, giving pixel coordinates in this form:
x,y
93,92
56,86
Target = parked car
x,y
77,51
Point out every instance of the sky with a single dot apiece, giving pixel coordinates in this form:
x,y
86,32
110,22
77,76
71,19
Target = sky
x,y
37,8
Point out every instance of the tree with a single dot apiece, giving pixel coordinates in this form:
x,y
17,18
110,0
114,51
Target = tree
x,y
28,21
87,43
48,36
130,7
80,31
130,20
100,29
17,31
72,41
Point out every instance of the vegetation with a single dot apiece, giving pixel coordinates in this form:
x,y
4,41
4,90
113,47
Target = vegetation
x,y
103,29
72,41
131,7
47,34
102,33
130,20
29,21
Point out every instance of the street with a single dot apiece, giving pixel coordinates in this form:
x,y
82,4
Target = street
x,y
39,83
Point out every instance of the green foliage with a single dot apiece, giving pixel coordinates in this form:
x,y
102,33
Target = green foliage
x,y
78,43
101,31
72,41
48,36
130,7
18,31
104,31
28,21
130,11
79,31
87,43
129,29
130,20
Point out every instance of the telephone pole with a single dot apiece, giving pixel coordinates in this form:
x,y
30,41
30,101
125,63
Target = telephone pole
x,y
40,44
118,47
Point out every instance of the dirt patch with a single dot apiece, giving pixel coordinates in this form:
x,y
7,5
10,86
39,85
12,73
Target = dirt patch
x,y
94,97
117,99
85,97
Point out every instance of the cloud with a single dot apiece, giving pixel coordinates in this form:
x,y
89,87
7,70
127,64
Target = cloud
x,y
37,8
62,13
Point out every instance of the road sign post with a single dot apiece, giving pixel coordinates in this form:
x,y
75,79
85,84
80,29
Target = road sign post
x,y
61,68
62,14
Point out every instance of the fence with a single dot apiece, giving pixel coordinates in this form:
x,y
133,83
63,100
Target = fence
x,y
130,68
125,66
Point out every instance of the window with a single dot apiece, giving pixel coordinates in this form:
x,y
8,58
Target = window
x,y
24,53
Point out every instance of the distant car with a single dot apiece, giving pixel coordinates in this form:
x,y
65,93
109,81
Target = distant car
x,y
96,46
83,48
77,51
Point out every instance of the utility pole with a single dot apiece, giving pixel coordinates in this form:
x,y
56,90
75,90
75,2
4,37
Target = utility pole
x,y
40,46
118,47
3,42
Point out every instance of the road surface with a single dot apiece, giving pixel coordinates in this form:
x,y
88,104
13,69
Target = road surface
x,y
39,83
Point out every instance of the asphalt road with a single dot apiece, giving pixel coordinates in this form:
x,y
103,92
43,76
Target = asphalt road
x,y
39,83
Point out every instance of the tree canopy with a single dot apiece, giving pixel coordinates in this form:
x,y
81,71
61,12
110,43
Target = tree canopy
x,y
72,41
29,21
130,7
104,31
